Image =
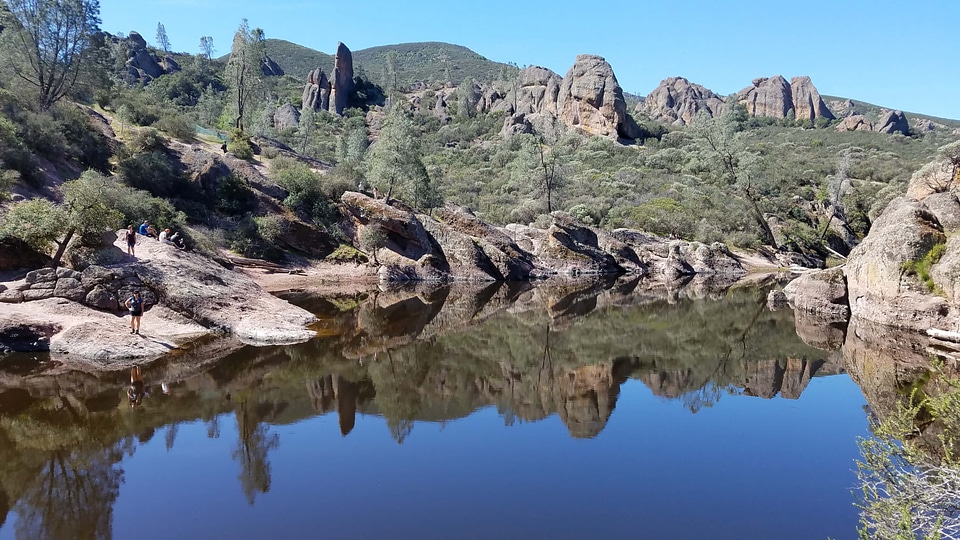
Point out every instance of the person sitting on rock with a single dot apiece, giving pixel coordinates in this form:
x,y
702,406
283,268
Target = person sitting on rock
x,y
165,236
143,228
177,240
152,232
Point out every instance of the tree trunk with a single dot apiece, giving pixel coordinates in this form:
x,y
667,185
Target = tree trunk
x,y
61,248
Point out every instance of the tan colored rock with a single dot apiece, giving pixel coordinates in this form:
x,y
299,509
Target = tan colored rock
x,y
538,91
316,93
823,293
807,103
591,100
856,122
934,177
678,101
767,97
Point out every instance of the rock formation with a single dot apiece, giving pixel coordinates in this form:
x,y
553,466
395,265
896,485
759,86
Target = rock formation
x,y
141,65
774,97
270,68
322,93
341,79
286,117
677,101
893,122
807,104
457,246
538,91
767,97
855,122
591,100
316,93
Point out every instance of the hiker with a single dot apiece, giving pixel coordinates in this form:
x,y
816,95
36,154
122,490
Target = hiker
x,y
164,236
131,241
224,147
152,232
135,305
143,228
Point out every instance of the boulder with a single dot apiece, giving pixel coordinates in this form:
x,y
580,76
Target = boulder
x,y
934,177
145,63
18,335
893,122
591,100
136,41
946,272
807,103
823,293
855,122
511,262
41,275
169,65
286,117
341,79
905,231
946,208
677,101
102,298
767,97
70,288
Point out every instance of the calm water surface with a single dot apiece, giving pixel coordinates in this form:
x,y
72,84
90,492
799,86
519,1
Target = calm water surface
x,y
613,410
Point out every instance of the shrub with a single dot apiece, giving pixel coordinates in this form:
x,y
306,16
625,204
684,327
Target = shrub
x,y
153,172
176,126
233,197
239,145
921,267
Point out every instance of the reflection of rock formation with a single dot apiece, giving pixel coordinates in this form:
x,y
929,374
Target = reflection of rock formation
x,y
335,392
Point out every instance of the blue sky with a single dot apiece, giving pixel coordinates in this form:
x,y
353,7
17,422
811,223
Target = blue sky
x,y
897,54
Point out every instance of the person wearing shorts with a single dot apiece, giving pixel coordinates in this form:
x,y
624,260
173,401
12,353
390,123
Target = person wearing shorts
x,y
135,305
131,241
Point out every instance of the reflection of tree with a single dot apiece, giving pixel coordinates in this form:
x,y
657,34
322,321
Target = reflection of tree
x,y
398,382
255,442
73,495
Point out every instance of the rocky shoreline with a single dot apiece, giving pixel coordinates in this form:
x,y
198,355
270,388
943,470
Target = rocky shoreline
x,y
76,314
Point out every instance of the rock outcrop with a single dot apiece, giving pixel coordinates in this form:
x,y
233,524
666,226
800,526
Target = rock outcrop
x,y
341,79
316,93
142,66
323,93
823,292
591,100
677,101
893,122
270,68
855,122
286,117
767,97
774,97
538,91
457,246
195,296
807,103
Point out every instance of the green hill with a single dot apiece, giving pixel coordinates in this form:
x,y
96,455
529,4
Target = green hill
x,y
297,60
416,62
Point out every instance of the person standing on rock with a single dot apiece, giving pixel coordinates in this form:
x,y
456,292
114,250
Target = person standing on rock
x,y
135,305
131,241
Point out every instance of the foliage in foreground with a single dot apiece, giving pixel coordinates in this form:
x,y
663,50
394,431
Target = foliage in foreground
x,y
910,479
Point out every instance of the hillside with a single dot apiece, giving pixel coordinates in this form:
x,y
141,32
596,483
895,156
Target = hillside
x,y
872,111
430,61
297,60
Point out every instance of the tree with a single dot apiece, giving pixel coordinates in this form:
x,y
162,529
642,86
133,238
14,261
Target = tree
x,y
162,40
733,164
48,42
85,209
371,238
206,47
243,70
394,162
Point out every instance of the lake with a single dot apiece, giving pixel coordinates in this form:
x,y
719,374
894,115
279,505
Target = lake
x,y
615,409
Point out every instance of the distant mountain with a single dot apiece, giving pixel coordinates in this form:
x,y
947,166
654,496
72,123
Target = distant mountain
x,y
431,62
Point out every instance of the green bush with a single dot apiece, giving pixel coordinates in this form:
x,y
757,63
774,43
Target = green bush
x,y
239,145
176,126
233,197
921,267
155,173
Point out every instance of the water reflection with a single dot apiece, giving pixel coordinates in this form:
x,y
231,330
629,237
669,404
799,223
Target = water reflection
x,y
407,355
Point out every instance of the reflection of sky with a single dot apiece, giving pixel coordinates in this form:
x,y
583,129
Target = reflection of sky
x,y
744,468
